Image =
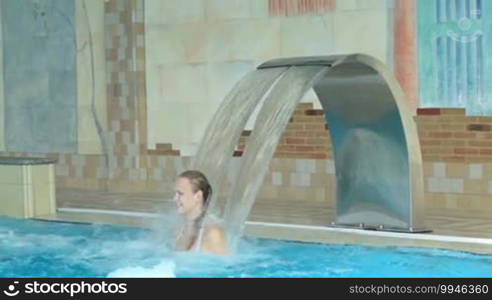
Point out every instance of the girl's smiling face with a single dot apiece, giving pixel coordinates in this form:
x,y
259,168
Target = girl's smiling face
x,y
186,200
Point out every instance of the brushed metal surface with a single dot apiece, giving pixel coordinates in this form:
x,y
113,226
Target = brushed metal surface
x,y
378,163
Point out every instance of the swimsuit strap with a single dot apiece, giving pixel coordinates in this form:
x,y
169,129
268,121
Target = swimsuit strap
x,y
200,239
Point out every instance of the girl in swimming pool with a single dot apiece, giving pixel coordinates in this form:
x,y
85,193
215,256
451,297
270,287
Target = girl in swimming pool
x,y
192,193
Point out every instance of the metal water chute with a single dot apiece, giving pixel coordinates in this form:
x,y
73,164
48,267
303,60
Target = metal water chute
x,y
378,162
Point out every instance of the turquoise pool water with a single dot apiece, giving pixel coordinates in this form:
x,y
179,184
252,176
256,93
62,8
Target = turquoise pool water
x,y
31,248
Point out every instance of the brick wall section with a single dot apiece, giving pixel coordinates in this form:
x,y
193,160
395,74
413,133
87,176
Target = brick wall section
x,y
306,136
445,134
448,135
164,149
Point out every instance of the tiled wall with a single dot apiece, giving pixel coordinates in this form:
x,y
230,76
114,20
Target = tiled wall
x,y
300,180
125,60
155,173
453,180
456,185
125,66
450,185
197,50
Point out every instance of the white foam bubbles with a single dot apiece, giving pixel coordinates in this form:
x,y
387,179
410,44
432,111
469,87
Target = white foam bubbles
x,y
165,269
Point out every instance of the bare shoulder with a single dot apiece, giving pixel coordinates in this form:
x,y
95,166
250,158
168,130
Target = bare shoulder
x,y
215,230
215,234
215,240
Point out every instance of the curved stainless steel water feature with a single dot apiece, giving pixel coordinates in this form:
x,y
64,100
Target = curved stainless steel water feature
x,y
376,148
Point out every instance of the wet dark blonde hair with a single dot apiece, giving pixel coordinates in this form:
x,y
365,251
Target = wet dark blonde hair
x,y
198,183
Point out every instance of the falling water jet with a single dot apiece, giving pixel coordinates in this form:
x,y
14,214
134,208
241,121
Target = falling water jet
x,y
222,133
270,124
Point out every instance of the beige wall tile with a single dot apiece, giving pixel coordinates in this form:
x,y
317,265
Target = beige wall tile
x,y
372,22
221,78
42,173
347,5
440,170
220,10
300,179
43,196
174,11
320,166
475,171
305,36
330,167
445,185
165,44
11,174
433,200
487,171
14,200
451,202
2,100
371,4
479,187
269,192
305,166
321,180
428,169
320,195
457,170
277,178
259,8
88,137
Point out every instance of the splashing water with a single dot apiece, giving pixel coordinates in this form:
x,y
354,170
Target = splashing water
x,y
164,269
